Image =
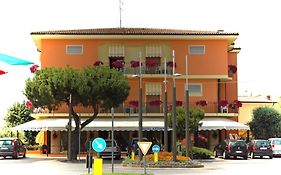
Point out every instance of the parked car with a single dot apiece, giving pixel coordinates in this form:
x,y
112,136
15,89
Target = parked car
x,y
134,146
231,148
276,146
12,147
260,148
108,149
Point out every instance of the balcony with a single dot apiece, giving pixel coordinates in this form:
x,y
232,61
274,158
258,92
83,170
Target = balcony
x,y
148,68
212,107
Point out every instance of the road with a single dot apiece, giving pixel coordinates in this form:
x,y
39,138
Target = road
x,y
56,166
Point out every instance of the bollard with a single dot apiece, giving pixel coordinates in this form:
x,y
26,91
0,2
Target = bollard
x,y
155,157
97,166
133,155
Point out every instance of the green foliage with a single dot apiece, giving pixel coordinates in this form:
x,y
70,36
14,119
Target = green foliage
x,y
199,153
266,123
104,86
19,114
195,116
91,86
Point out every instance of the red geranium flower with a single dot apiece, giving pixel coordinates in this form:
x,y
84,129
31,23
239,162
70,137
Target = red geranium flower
x,y
134,103
223,103
135,64
34,68
98,63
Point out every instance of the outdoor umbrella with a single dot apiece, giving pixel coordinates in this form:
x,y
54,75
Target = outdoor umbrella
x,y
13,60
2,72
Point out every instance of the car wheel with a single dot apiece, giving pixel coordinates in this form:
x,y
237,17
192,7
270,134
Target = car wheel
x,y
4,157
24,155
246,157
224,155
270,157
215,153
252,155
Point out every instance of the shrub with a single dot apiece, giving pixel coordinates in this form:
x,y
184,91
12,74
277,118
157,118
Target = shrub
x,y
166,156
199,153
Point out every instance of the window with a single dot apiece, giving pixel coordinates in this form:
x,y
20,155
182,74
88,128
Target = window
x,y
195,89
153,51
196,50
116,51
74,49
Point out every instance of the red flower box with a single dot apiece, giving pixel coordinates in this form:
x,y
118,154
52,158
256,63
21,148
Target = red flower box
x,y
155,103
201,103
135,64
134,103
150,63
170,64
118,64
179,103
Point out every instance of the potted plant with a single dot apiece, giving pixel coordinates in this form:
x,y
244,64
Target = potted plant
x,y
150,66
135,64
134,103
232,69
179,103
224,106
170,66
98,63
236,104
201,103
118,64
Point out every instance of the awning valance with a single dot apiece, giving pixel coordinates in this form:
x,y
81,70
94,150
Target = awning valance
x,y
104,124
215,123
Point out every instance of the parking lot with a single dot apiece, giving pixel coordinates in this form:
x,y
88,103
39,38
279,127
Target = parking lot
x,y
58,166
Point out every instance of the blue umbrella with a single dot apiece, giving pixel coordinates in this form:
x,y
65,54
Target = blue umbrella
x,y
13,60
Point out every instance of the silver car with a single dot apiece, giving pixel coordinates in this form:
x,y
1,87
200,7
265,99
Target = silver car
x,y
108,149
276,146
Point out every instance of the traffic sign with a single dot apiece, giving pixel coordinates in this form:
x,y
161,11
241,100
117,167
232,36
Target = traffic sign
x,y
144,146
156,148
99,144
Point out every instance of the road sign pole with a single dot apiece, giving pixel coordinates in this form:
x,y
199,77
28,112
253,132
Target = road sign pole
x,y
144,164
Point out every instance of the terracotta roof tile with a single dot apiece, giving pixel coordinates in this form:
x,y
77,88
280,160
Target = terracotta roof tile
x,y
131,31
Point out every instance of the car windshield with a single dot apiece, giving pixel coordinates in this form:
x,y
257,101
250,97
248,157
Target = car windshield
x,y
262,143
5,142
108,143
238,143
277,142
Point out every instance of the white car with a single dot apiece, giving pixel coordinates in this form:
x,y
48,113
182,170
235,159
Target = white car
x,y
276,146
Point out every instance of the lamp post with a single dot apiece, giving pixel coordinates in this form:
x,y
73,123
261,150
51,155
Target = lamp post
x,y
69,130
174,144
187,138
140,105
112,140
165,110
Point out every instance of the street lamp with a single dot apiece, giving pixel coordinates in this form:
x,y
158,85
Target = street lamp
x,y
165,110
187,138
140,104
69,130
174,145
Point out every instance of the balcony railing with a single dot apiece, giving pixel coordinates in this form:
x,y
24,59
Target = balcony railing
x,y
212,107
157,69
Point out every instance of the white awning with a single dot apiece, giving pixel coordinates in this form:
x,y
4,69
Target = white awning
x,y
214,123
99,124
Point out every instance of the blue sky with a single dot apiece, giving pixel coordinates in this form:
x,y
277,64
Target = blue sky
x,y
255,21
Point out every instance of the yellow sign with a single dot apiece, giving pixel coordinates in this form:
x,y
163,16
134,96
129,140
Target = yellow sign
x,y
144,146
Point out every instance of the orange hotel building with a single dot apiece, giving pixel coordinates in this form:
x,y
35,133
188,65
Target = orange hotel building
x,y
209,54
